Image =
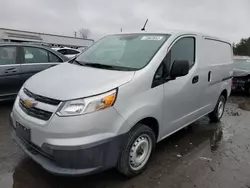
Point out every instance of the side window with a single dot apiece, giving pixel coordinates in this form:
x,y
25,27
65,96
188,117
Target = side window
x,y
8,55
35,55
54,58
71,52
62,51
183,49
159,77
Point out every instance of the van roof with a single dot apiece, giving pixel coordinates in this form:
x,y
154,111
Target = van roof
x,y
176,32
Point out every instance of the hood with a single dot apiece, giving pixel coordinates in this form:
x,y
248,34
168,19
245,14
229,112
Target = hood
x,y
68,81
241,72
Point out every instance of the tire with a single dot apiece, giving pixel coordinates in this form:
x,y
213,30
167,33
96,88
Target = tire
x,y
136,148
217,114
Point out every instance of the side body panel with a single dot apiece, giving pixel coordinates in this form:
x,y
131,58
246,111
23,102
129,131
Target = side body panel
x,y
177,103
216,71
137,100
181,96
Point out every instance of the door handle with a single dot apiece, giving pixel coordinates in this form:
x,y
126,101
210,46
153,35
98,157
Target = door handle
x,y
209,78
10,70
195,79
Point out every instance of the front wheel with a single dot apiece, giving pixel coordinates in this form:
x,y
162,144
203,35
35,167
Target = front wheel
x,y
137,151
218,112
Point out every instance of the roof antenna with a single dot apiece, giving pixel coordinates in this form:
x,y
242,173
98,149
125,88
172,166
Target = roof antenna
x,y
143,29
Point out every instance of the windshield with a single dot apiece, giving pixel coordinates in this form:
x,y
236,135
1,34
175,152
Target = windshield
x,y
242,64
123,52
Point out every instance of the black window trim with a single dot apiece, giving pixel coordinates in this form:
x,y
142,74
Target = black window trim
x,y
18,57
217,40
169,48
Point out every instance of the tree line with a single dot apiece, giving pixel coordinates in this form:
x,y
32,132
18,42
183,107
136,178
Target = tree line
x,y
82,33
242,48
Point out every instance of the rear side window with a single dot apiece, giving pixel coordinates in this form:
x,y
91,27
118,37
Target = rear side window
x,y
71,52
183,49
8,55
35,55
62,51
54,58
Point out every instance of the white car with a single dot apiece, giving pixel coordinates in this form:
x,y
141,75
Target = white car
x,y
68,52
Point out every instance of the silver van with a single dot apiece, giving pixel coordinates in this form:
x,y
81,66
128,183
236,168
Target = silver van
x,y
110,106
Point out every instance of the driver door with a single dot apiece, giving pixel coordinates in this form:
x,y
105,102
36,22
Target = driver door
x,y
181,96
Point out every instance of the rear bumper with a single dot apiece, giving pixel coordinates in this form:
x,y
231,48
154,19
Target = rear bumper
x,y
74,161
240,84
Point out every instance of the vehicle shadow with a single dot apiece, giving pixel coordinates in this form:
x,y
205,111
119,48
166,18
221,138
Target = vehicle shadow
x,y
5,109
241,99
167,155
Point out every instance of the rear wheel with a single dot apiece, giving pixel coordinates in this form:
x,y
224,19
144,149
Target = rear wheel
x,y
218,112
137,151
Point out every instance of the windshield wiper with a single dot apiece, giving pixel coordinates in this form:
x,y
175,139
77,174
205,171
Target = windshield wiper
x,y
75,61
98,65
101,66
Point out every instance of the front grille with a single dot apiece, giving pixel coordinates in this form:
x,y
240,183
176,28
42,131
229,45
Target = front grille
x,y
41,98
35,112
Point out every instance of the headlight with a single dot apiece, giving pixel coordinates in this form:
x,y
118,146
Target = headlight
x,y
87,105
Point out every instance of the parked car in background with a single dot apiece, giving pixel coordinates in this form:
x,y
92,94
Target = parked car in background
x,y
112,104
19,61
68,52
241,79
82,49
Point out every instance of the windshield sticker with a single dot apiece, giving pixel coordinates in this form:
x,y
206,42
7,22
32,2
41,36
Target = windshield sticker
x,y
151,38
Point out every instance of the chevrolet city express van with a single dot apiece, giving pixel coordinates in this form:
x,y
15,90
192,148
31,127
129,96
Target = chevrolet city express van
x,y
110,106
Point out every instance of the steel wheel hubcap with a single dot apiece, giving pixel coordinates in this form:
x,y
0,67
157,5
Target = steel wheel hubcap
x,y
140,152
220,108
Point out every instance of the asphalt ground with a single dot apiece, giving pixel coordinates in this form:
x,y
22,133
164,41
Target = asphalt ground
x,y
201,155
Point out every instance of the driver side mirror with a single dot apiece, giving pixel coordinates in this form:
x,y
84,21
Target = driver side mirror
x,y
179,68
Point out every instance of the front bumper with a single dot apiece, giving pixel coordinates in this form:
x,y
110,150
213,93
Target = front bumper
x,y
75,145
74,161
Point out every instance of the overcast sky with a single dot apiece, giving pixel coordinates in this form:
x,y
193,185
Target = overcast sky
x,y
223,18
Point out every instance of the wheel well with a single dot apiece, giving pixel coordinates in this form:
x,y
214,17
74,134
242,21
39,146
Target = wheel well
x,y
152,123
224,93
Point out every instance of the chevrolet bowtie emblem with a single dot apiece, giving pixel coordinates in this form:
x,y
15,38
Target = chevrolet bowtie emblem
x,y
29,103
